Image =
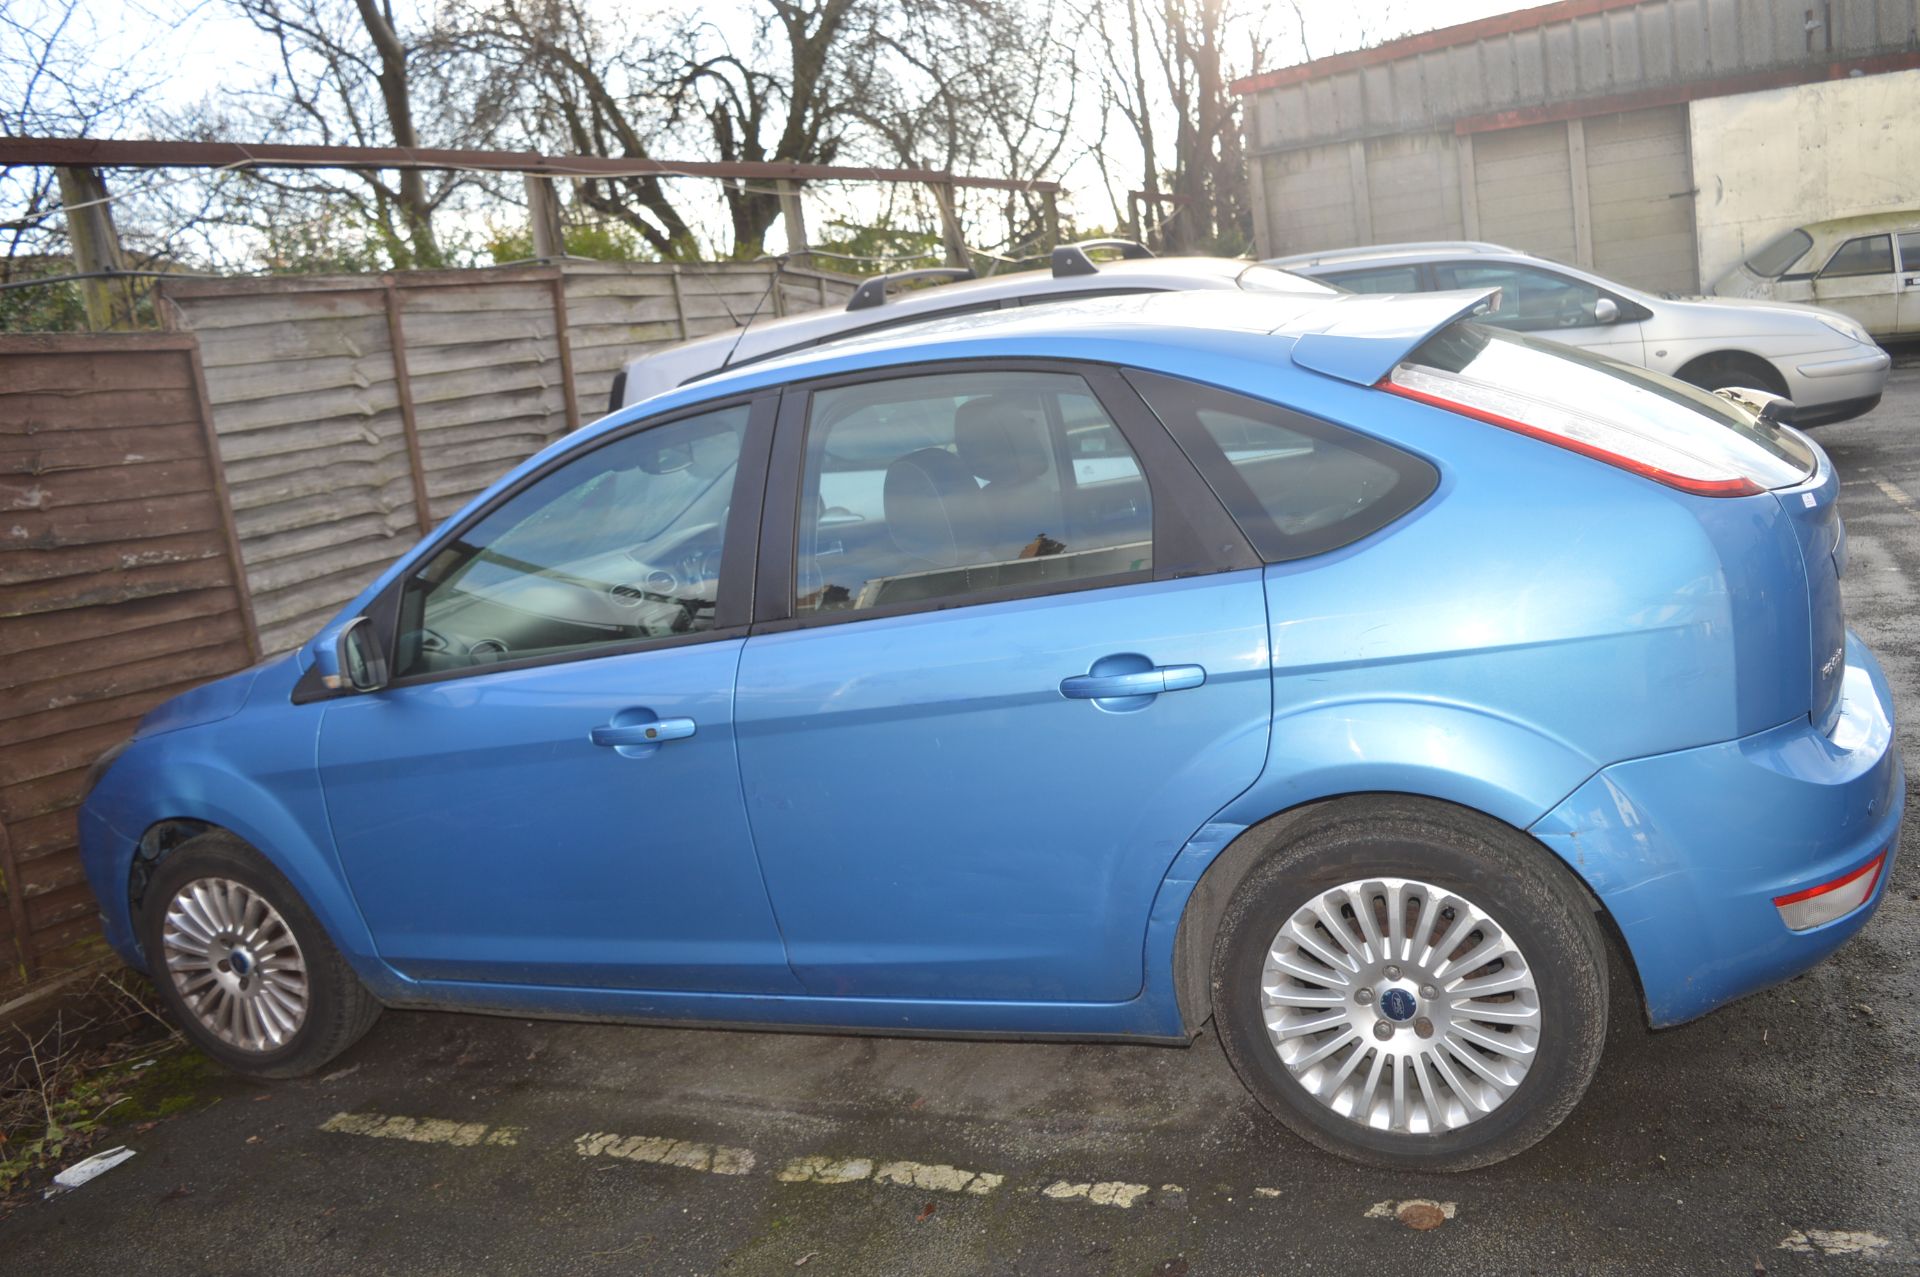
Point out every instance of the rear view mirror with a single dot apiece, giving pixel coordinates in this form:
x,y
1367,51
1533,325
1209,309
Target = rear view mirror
x,y
1606,311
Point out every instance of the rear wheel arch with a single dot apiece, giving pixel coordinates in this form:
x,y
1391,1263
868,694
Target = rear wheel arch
x,y
1198,931
1724,368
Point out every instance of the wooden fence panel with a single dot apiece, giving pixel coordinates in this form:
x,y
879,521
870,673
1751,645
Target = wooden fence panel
x,y
343,404
120,586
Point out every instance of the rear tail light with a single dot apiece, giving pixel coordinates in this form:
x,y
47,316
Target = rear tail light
x,y
1814,906
1649,451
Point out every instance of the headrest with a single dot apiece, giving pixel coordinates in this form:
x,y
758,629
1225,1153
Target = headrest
x,y
1002,438
932,506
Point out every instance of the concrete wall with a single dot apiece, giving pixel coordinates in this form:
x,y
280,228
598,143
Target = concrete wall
x,y
1765,162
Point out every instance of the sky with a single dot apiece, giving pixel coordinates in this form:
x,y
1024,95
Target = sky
x,y
205,50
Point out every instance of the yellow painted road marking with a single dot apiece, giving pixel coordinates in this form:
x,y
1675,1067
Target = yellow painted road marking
x,y
1894,493
422,1130
1105,1193
659,1150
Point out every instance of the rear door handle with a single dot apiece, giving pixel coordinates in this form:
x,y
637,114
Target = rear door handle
x,y
619,734
1161,678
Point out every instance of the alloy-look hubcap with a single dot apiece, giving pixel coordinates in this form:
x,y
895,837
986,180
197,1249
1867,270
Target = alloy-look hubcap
x,y
235,963
1400,1005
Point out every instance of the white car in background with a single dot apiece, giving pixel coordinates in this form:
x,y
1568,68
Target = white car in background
x,y
1867,267
1825,362
1075,273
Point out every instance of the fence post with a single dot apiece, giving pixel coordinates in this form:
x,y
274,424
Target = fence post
x,y
950,233
565,343
397,348
17,905
543,211
242,587
96,247
1050,219
795,219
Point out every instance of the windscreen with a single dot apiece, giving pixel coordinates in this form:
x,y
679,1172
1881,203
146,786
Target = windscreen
x,y
1779,254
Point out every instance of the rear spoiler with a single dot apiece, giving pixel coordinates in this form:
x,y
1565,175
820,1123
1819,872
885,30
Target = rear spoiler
x,y
1361,336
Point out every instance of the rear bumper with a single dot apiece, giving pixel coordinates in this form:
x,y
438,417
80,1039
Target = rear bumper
x,y
1689,850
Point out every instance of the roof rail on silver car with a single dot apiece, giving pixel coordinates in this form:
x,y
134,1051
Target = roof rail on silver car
x,y
873,292
1072,259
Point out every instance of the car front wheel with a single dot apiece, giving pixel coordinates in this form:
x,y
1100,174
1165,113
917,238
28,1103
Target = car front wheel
x,y
243,964
1412,986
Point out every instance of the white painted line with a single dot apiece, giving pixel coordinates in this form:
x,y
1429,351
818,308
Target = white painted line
x,y
659,1150
1833,1241
422,1130
1391,1210
1104,1193
1266,1192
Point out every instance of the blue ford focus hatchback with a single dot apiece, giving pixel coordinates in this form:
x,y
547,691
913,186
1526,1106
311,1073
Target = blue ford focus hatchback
x,y
1334,668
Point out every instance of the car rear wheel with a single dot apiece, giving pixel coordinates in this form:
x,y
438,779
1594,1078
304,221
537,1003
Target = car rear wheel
x,y
243,964
1412,986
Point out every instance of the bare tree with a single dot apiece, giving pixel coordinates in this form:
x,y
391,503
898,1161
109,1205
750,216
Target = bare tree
x,y
356,73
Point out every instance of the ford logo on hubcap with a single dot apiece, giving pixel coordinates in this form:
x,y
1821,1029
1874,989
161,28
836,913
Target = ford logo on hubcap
x,y
1398,1004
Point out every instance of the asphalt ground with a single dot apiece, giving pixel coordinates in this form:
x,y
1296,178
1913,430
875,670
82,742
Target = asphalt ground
x,y
1778,1135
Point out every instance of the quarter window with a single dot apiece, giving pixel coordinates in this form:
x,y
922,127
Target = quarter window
x,y
1296,485
623,544
1867,255
1910,251
935,488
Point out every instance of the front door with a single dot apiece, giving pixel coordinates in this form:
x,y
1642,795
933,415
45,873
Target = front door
x,y
1549,304
1859,280
548,792
990,725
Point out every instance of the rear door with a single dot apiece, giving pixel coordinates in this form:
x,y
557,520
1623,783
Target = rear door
x,y
1012,656
1907,318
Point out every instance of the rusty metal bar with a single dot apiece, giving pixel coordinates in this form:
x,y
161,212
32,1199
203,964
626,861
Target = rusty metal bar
x,y
133,153
397,347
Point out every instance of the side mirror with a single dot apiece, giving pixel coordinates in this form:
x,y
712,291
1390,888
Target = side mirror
x,y
1606,311
349,659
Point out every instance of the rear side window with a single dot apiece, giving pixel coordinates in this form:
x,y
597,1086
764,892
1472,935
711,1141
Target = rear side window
x,y
1393,279
1868,255
1910,251
1779,254
1296,485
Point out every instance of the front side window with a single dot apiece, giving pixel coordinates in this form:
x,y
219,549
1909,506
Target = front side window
x,y
934,488
1530,300
1867,255
619,545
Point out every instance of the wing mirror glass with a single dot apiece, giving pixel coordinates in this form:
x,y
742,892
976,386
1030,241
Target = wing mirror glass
x,y
1606,311
350,659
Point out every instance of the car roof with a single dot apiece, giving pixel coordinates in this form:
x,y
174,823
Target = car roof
x,y
1374,252
1350,336
762,338
1860,224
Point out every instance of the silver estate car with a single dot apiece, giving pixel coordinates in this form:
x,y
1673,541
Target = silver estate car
x,y
1825,362
878,304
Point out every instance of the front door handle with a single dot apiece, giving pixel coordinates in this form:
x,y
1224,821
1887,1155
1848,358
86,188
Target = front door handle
x,y
1152,682
625,734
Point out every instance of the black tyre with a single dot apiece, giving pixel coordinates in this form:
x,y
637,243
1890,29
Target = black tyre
x,y
1412,985
243,964
1731,372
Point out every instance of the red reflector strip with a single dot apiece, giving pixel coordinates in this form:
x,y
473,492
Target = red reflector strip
x,y
1735,487
1872,866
